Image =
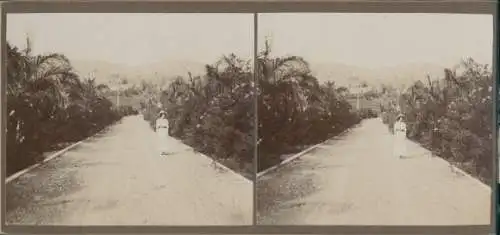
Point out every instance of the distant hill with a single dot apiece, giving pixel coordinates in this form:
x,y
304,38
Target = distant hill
x,y
397,75
340,73
106,71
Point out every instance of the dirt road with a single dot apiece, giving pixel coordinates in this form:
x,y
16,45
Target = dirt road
x,y
355,180
118,178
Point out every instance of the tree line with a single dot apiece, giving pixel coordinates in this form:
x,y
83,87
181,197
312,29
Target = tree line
x,y
215,112
49,105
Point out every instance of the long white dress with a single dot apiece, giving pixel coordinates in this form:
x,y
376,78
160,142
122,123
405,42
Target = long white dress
x,y
162,133
400,139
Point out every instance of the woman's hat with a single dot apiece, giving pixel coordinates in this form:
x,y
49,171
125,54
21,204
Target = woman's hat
x,y
400,116
162,112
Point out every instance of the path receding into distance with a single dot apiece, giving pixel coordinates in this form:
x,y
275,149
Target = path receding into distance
x,y
355,180
118,178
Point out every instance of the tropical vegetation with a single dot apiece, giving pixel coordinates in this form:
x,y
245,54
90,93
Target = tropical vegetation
x,y
451,116
294,109
49,105
215,113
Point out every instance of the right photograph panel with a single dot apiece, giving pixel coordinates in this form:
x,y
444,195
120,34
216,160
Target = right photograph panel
x,y
374,119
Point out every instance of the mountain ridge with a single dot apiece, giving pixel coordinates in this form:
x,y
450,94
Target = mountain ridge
x,y
107,72
341,74
399,75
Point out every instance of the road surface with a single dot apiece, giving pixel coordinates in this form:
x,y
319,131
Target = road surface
x,y
118,178
355,180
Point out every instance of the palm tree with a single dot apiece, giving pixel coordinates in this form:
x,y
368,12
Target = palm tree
x,y
39,84
45,100
287,89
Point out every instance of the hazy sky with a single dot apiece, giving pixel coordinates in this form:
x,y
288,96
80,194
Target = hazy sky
x,y
368,40
374,40
135,39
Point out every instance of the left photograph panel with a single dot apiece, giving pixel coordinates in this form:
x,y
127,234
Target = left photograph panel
x,y
129,119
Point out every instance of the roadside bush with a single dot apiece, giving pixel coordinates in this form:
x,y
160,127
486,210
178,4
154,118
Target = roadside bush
x,y
452,117
48,105
212,113
295,111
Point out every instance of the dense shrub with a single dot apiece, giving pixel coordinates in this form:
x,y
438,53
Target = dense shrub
x,y
48,105
452,117
294,110
213,113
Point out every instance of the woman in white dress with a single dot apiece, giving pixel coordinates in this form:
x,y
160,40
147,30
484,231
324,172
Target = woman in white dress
x,y
400,137
161,127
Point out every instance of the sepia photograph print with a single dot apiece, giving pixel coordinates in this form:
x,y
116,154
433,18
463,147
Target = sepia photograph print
x,y
374,119
130,119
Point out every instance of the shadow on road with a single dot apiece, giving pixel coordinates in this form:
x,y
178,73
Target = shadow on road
x,y
296,180
32,195
118,178
355,179
45,190
283,189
